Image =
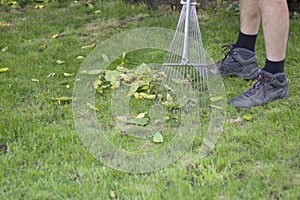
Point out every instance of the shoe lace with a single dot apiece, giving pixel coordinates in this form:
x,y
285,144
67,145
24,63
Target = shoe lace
x,y
262,80
227,51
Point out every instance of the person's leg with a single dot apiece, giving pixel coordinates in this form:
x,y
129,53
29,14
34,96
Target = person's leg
x,y
241,60
249,17
275,22
249,24
272,83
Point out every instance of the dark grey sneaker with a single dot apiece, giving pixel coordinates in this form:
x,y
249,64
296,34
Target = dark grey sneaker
x,y
268,87
239,62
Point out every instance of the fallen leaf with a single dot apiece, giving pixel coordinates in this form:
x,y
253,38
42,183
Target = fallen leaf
x,y
121,68
247,117
55,36
39,6
67,74
11,3
5,69
42,47
27,41
4,49
171,104
135,86
214,99
50,75
169,98
97,83
89,46
60,62
35,80
4,24
97,11
136,95
100,90
143,95
92,107
80,57
158,138
92,72
141,115
142,69
90,5
112,194
112,77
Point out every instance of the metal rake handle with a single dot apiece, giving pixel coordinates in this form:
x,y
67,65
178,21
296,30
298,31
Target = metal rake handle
x,y
183,2
185,54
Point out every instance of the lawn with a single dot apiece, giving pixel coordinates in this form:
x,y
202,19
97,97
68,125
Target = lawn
x,y
41,154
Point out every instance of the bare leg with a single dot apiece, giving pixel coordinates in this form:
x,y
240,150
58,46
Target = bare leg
x,y
249,17
275,22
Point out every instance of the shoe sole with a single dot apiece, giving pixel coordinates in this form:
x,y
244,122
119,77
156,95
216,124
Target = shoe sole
x,y
247,76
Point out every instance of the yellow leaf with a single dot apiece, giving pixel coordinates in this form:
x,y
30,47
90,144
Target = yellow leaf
x,y
169,98
4,49
11,3
89,46
97,11
67,74
92,107
158,138
112,194
54,36
26,41
247,117
60,62
92,72
136,95
3,70
97,83
39,6
214,99
35,80
50,75
80,57
99,90
141,115
4,24
143,95
42,47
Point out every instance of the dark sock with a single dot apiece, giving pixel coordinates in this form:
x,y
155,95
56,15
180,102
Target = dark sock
x,y
246,41
274,67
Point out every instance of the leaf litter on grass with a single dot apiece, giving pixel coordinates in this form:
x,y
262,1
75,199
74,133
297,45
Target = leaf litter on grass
x,y
144,85
5,69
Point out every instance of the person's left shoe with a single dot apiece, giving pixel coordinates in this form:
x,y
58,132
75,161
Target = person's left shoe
x,y
268,87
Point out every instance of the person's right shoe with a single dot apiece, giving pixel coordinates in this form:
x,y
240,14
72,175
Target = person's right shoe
x,y
269,87
239,62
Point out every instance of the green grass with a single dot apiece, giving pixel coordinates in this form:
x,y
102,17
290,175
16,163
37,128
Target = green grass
x,y
42,157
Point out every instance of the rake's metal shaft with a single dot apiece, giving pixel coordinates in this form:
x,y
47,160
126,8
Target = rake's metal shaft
x,y
185,54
